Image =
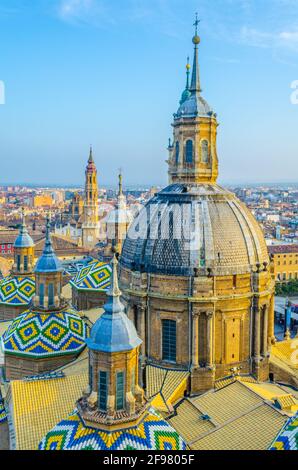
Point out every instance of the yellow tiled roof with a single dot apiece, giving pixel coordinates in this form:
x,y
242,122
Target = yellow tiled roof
x,y
227,403
274,392
165,386
189,423
93,314
234,417
78,366
154,379
229,380
252,431
39,405
4,326
287,351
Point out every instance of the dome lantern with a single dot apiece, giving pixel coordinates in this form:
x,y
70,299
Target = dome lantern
x,y
193,157
23,250
48,276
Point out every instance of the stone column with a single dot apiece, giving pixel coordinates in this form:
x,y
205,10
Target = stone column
x,y
141,327
209,316
195,340
265,331
271,321
257,332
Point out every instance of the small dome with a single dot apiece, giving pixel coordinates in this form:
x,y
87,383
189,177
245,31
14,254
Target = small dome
x,y
33,334
17,290
48,262
23,240
113,331
152,433
194,105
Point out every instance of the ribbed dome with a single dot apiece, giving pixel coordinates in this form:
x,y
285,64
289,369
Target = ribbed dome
x,y
228,240
195,105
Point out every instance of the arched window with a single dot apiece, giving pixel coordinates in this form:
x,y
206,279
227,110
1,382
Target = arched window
x,y
177,150
135,316
189,151
51,295
41,295
119,391
169,337
103,390
25,263
18,262
205,151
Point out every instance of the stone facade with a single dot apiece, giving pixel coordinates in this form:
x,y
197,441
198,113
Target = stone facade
x,y
86,300
221,323
90,227
19,367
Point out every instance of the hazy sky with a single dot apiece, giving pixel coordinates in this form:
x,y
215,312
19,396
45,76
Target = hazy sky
x,y
111,72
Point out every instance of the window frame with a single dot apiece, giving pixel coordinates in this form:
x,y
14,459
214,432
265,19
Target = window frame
x,y
169,351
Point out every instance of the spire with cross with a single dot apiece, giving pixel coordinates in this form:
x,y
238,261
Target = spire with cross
x,y
195,81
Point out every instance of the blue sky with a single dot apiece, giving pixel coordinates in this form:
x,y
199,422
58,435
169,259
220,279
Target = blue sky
x,y
110,73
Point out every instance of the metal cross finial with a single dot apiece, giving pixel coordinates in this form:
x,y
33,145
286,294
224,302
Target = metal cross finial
x,y
197,22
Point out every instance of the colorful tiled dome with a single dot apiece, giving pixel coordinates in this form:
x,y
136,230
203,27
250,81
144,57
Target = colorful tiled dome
x,y
288,438
94,276
153,433
17,290
34,334
3,415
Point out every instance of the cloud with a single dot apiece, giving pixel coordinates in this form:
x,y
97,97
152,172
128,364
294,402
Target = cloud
x,y
264,39
77,11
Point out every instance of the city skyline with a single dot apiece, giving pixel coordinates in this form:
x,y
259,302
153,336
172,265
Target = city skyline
x,y
110,77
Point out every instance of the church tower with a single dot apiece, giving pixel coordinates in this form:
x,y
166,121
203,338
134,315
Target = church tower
x,y
23,251
193,155
90,227
118,220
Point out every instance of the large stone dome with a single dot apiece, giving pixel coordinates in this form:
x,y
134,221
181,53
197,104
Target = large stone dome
x,y
226,238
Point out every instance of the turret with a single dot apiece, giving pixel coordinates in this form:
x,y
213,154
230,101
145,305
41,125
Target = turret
x,y
23,251
193,154
114,395
48,277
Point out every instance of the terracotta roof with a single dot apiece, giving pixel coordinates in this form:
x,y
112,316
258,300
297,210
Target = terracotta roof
x,y
61,245
277,249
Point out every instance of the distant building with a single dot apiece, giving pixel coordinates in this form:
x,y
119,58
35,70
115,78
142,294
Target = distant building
x,y
284,262
17,289
43,201
90,227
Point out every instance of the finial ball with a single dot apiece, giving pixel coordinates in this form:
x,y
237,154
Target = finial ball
x,y
196,39
188,66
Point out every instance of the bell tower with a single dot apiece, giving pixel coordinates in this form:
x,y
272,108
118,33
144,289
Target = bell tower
x,y
193,154
90,227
